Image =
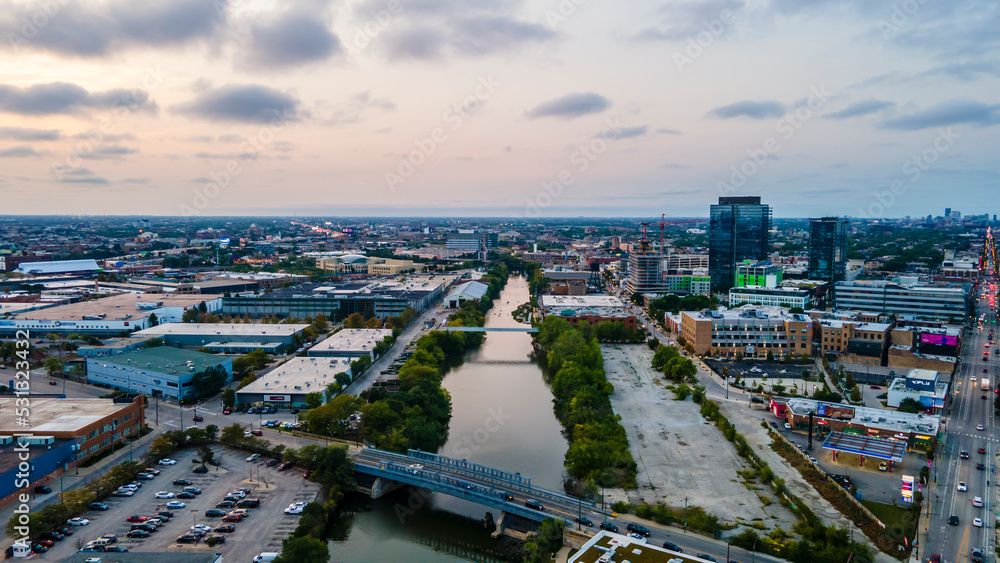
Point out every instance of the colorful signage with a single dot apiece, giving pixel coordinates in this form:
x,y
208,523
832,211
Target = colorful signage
x,y
907,488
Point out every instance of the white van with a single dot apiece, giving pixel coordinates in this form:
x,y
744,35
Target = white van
x,y
265,557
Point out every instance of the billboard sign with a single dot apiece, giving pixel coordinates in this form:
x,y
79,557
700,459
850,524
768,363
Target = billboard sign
x,y
835,411
278,398
907,488
939,339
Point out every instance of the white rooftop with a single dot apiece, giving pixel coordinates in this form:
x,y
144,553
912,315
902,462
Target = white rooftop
x,y
353,340
875,418
211,329
300,376
58,415
581,301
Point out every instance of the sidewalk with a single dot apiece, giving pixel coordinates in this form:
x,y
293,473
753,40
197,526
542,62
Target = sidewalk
x,y
71,480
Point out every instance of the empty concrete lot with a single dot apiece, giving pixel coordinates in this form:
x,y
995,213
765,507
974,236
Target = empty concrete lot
x,y
262,530
679,454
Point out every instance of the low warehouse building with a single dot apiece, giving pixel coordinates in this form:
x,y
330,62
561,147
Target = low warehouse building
x,y
350,343
917,430
197,335
288,384
158,372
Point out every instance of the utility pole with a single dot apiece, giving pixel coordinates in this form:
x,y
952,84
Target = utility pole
x,y
685,515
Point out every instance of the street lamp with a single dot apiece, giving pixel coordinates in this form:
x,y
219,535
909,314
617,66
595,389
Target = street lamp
x,y
685,515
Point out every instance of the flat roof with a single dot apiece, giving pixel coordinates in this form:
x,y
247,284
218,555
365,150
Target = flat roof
x,y
163,359
882,448
885,419
57,415
307,374
627,549
214,329
927,374
147,557
117,343
471,289
582,301
360,340
114,306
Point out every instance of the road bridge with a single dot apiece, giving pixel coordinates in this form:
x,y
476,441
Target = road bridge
x,y
488,329
489,486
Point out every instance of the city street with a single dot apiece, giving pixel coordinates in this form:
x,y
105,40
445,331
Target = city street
x,y
967,411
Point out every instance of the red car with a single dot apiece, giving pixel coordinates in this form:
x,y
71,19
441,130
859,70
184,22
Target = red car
x,y
47,543
136,519
227,411
198,418
232,518
284,466
257,432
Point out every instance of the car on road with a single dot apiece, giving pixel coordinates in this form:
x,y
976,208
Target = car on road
x,y
227,411
201,469
254,457
168,461
980,466
137,534
198,418
977,522
977,501
42,490
672,547
257,432
707,557
963,454
982,396
953,520
981,450
533,504
164,494
962,486
608,526
977,555
78,521
181,482
98,506
215,512
175,504
637,528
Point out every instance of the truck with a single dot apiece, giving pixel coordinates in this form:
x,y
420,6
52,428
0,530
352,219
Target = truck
x,y
984,384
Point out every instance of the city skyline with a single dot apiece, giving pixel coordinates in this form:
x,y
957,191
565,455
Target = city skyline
x,y
528,109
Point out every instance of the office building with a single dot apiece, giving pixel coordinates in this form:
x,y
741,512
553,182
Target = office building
x,y
828,249
853,341
921,385
905,298
589,309
687,282
787,297
739,229
758,274
163,371
751,332
644,274
472,241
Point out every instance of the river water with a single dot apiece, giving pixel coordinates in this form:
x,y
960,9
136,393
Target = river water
x,y
501,416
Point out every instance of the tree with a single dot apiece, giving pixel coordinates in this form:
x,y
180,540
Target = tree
x,y
313,400
910,405
856,395
190,316
54,366
320,324
770,356
232,435
202,308
303,549
354,320
229,397
205,455
208,382
153,321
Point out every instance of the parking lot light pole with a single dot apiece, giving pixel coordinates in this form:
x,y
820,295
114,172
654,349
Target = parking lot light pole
x,y
194,516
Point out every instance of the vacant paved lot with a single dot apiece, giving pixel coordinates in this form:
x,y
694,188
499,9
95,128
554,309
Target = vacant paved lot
x,y
679,454
263,530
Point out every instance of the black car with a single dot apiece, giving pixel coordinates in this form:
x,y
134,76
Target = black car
x,y
981,450
137,534
672,547
39,548
248,503
218,538
181,482
188,538
215,512
225,529
980,466
963,454
226,504
201,469
166,513
637,529
232,498
585,521
707,557
953,520
42,490
533,504
98,506
144,527
186,495
608,526
271,463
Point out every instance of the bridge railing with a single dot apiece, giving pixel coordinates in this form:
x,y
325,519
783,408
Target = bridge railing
x,y
484,470
433,480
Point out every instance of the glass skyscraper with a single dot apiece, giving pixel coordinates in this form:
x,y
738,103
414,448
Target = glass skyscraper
x,y
739,229
828,249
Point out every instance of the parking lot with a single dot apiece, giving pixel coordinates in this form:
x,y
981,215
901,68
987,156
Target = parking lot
x,y
758,369
262,530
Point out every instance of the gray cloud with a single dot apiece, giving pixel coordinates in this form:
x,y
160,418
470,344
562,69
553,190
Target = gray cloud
x,y
84,180
684,20
66,98
571,106
416,43
106,152
141,181
965,71
291,40
249,103
244,155
864,107
94,29
27,134
629,132
201,180
664,131
19,151
749,108
951,112
230,138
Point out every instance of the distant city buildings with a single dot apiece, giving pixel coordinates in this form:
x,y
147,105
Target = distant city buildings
x,y
739,229
472,240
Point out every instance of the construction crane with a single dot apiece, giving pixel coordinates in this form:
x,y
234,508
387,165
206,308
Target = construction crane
x,y
662,223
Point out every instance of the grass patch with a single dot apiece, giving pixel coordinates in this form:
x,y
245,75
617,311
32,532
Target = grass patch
x,y
894,517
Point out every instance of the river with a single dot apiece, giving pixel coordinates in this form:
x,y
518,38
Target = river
x,y
501,416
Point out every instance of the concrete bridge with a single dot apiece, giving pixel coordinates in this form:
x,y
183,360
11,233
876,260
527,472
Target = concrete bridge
x,y
489,486
487,329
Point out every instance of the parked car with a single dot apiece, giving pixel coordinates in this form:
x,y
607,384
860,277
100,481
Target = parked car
x,y
42,490
254,457
188,538
249,503
78,521
218,538
226,504
116,549
181,482
284,466
175,504
167,461
164,495
215,512
233,518
98,506
137,534
201,469
110,537
225,529
194,490
186,495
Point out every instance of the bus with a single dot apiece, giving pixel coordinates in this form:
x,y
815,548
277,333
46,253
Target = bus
x,y
984,384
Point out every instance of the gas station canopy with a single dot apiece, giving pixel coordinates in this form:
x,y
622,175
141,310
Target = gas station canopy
x,y
873,446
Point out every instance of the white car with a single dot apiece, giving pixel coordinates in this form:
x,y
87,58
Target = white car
x,y
962,486
293,509
164,494
977,522
175,504
201,528
166,461
78,521
973,378
238,493
977,501
637,537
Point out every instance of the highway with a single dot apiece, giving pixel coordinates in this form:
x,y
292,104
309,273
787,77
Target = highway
x,y
968,412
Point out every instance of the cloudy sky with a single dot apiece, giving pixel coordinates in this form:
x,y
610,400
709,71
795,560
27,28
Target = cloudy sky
x,y
520,108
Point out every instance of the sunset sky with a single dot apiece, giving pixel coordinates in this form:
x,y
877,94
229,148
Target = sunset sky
x,y
530,108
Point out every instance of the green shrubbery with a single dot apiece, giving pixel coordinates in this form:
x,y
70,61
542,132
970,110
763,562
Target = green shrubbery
x,y
597,441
